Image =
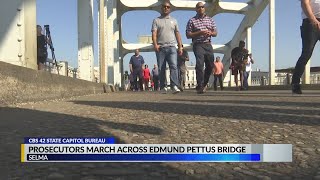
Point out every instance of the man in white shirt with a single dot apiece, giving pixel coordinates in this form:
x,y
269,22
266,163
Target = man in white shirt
x,y
310,34
248,63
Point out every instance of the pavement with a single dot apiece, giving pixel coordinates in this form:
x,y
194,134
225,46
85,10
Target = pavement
x,y
227,117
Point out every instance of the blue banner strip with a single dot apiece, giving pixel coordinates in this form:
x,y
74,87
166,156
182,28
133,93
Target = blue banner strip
x,y
147,157
69,140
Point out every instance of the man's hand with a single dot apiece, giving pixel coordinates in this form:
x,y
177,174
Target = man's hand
x,y
180,51
316,24
156,48
204,33
210,33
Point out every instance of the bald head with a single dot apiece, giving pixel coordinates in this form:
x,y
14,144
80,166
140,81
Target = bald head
x,y
199,4
200,8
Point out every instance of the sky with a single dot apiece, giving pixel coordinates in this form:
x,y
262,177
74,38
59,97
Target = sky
x,y
61,15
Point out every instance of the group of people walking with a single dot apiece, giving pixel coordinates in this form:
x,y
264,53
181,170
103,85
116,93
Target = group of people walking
x,y
140,78
200,28
165,34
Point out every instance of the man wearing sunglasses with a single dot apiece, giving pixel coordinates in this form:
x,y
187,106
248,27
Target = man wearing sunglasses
x,y
165,35
201,28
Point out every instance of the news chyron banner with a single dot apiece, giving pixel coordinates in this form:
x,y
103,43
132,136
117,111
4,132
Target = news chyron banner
x,y
105,150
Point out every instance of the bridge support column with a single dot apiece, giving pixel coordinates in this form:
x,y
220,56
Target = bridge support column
x,y
117,58
108,45
30,30
112,44
18,33
249,45
272,42
101,43
85,42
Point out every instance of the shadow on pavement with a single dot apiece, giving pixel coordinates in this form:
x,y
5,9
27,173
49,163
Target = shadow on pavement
x,y
301,117
246,102
295,170
270,93
18,123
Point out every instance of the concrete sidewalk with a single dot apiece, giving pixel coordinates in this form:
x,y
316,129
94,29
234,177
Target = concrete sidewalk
x,y
253,117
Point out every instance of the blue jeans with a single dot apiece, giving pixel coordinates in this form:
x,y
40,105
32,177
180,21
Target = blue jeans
x,y
167,54
245,79
310,37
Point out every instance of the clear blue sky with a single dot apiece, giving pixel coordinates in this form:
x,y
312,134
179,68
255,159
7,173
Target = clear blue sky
x,y
61,15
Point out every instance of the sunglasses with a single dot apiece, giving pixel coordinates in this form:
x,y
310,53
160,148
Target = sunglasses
x,y
200,7
168,7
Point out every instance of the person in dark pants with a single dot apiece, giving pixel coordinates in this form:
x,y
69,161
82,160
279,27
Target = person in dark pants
x,y
237,65
310,34
155,77
218,73
136,66
182,68
201,28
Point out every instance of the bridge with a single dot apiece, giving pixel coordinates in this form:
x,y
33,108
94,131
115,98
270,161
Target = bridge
x,y
37,103
19,19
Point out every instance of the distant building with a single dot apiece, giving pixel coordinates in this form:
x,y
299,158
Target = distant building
x,y
145,39
191,81
283,76
72,72
259,78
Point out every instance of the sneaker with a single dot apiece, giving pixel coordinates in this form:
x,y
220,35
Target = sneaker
x,y
296,89
204,89
175,90
164,90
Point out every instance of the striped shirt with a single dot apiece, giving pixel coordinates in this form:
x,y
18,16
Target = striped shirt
x,y
198,23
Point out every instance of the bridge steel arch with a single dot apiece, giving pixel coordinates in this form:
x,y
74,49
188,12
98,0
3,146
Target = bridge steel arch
x,y
116,47
22,46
